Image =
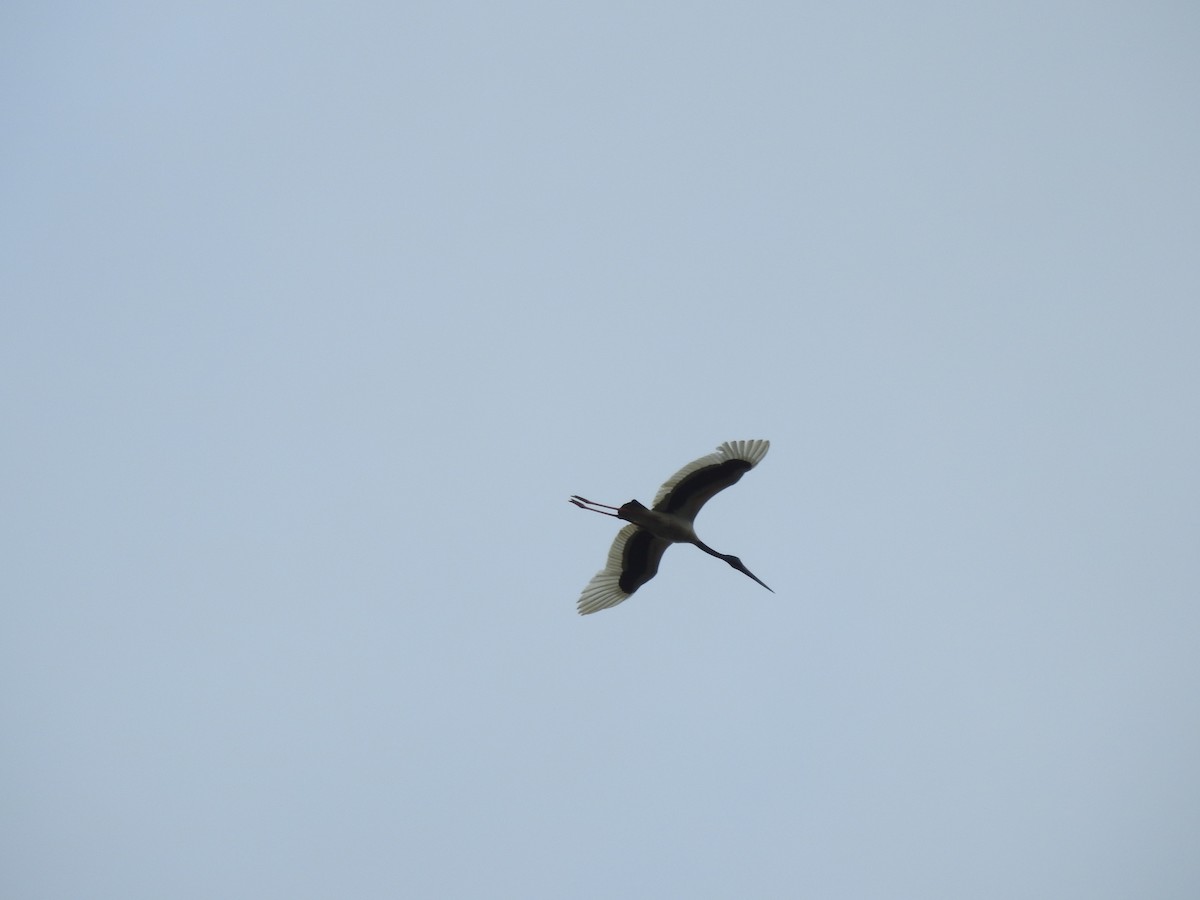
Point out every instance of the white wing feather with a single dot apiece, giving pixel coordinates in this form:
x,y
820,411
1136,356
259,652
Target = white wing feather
x,y
604,590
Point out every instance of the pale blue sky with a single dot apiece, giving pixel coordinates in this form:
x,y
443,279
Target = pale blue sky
x,y
316,314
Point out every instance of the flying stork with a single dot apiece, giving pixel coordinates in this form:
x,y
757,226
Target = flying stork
x,y
635,554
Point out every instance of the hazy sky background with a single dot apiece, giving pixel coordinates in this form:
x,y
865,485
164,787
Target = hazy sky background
x,y
315,314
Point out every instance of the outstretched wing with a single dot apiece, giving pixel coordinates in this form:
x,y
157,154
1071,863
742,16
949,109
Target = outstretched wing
x,y
697,482
632,561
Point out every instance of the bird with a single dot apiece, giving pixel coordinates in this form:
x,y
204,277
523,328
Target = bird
x,y
638,548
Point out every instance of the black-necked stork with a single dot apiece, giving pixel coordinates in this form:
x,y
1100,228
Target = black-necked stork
x,y
635,554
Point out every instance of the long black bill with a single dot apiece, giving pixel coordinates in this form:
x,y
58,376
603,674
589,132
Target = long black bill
x,y
737,564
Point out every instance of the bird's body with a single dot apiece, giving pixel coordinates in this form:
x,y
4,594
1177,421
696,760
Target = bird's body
x,y
638,548
670,527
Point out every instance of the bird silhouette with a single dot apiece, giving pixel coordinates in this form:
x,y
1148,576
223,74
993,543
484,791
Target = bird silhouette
x,y
638,548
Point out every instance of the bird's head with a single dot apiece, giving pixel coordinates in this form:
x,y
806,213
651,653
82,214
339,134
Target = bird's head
x,y
741,567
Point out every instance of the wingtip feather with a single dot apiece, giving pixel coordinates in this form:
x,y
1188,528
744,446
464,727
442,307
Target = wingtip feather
x,y
751,451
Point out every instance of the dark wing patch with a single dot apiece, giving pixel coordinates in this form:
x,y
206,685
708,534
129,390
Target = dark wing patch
x,y
701,486
640,562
